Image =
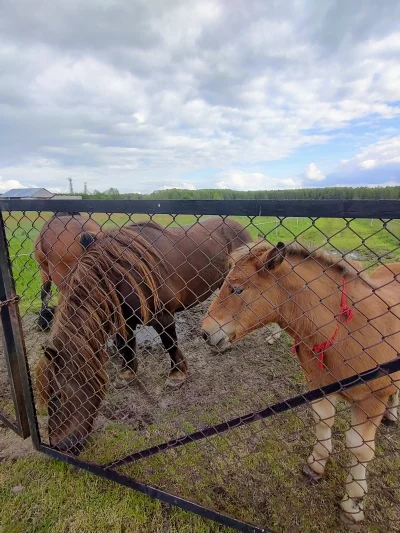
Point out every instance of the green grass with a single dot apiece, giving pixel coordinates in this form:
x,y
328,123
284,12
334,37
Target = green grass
x,y
59,499
364,240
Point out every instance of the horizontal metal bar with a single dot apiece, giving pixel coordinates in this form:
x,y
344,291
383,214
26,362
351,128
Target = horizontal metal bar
x,y
299,208
9,423
291,403
154,492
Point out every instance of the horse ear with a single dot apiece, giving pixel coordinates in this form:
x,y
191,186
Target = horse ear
x,y
261,237
87,239
275,256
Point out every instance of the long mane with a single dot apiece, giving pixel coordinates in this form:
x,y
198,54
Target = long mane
x,y
90,310
295,250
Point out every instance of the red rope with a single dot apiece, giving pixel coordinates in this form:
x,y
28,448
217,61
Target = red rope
x,y
320,349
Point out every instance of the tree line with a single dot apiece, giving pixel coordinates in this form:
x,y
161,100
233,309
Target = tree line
x,y
325,193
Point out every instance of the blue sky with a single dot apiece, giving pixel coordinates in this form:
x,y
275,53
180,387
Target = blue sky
x,y
147,94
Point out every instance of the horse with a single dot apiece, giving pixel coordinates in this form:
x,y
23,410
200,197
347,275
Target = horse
x,y
140,274
342,323
57,249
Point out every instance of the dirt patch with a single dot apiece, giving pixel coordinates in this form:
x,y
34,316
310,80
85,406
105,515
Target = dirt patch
x,y
215,378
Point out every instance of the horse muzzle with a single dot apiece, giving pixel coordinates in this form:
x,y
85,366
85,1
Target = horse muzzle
x,y
71,444
218,338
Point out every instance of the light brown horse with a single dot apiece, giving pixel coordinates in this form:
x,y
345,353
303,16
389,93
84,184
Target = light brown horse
x,y
140,274
57,249
342,324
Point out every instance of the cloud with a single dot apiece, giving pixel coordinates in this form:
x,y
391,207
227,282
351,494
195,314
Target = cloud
x,y
377,164
368,163
140,93
313,173
6,185
255,181
187,186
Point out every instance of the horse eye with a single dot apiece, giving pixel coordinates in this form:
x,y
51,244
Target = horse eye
x,y
237,290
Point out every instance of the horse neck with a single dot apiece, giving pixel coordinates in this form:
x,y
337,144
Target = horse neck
x,y
313,297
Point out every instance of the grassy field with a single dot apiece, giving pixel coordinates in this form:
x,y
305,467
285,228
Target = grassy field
x,y
248,473
363,239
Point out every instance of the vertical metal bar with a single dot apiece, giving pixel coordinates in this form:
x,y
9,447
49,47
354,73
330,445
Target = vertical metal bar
x,y
14,347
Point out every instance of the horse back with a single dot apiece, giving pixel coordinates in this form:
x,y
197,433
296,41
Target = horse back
x,y
57,247
195,258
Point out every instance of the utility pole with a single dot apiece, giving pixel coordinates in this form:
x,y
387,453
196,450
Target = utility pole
x,y
71,188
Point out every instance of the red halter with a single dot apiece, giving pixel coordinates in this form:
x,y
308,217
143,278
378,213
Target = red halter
x,y
320,349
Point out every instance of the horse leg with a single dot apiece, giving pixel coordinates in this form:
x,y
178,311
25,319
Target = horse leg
x,y
129,365
390,418
165,327
324,416
46,313
366,416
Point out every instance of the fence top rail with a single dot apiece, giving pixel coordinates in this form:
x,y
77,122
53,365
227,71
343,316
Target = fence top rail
x,y
385,209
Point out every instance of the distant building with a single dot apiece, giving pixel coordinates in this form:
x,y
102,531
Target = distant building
x,y
66,197
43,194
28,194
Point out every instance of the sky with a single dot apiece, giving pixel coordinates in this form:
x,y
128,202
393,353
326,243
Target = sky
x,y
244,94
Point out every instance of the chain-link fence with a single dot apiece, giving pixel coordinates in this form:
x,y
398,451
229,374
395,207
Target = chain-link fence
x,y
182,351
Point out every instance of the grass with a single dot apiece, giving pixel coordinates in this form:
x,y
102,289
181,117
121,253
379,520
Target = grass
x,y
58,499
364,240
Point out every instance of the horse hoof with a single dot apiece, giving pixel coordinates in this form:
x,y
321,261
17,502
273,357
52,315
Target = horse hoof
x,y
175,381
120,383
389,423
347,521
309,472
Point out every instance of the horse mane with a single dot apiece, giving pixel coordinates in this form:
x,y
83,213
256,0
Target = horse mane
x,y
91,308
146,224
295,250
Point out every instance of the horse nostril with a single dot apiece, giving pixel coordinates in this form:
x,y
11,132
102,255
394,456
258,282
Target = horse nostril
x,y
205,335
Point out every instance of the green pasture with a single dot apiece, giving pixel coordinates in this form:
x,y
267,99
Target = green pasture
x,y
364,239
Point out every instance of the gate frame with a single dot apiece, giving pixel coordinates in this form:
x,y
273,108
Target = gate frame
x,y
13,344
346,209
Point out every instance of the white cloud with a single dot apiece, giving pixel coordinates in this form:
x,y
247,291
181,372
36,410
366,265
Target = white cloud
x,y
377,164
6,185
382,153
255,181
313,173
368,163
187,186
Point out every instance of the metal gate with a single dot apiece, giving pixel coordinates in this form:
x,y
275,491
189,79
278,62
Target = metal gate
x,y
12,407
226,454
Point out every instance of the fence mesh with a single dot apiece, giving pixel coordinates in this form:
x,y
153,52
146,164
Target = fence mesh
x,y
129,355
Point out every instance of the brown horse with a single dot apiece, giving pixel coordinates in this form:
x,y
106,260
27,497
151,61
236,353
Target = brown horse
x,y
57,249
141,274
342,324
